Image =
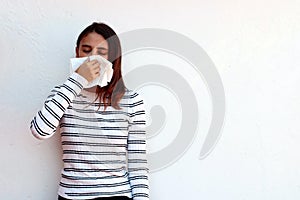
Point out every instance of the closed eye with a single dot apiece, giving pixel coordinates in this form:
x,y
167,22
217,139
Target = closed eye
x,y
102,53
86,51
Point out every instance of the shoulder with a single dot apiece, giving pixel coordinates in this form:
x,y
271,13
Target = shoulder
x,y
132,95
133,100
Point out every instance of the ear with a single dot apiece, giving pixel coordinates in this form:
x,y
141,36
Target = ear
x,y
77,52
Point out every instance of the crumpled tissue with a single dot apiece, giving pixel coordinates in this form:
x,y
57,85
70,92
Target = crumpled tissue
x,y
106,70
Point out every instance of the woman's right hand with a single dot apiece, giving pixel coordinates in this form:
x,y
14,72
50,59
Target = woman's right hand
x,y
89,70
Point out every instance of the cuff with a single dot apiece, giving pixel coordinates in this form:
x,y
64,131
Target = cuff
x,y
80,79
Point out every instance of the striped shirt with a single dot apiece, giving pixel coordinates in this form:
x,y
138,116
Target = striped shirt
x,y
104,152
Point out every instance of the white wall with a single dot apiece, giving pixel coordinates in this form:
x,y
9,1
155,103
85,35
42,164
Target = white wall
x,y
254,45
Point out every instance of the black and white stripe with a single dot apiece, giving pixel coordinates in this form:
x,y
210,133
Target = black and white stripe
x,y
104,152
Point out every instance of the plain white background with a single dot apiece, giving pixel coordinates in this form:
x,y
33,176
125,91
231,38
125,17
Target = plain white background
x,y
254,45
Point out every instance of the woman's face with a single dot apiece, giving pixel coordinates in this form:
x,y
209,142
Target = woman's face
x,y
92,44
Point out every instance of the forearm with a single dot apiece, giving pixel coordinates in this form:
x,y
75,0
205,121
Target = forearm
x,y
47,119
138,178
138,165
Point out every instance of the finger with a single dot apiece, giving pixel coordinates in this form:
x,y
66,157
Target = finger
x,y
97,71
96,67
93,62
90,63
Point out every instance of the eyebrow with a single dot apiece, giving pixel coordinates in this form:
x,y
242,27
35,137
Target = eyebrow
x,y
88,46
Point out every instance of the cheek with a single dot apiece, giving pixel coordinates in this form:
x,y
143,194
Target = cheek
x,y
82,54
105,56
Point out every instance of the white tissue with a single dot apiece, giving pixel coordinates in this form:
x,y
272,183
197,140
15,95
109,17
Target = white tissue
x,y
106,70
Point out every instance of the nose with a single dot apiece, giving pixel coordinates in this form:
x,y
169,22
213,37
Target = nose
x,y
94,52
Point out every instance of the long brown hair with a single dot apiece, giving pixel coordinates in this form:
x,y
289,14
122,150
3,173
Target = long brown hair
x,y
114,91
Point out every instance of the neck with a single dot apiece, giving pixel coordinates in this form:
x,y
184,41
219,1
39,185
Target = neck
x,y
92,89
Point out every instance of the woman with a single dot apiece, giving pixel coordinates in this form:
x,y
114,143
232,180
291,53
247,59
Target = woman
x,y
102,129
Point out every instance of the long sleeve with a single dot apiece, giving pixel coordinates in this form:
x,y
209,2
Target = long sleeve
x,y
45,123
137,161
